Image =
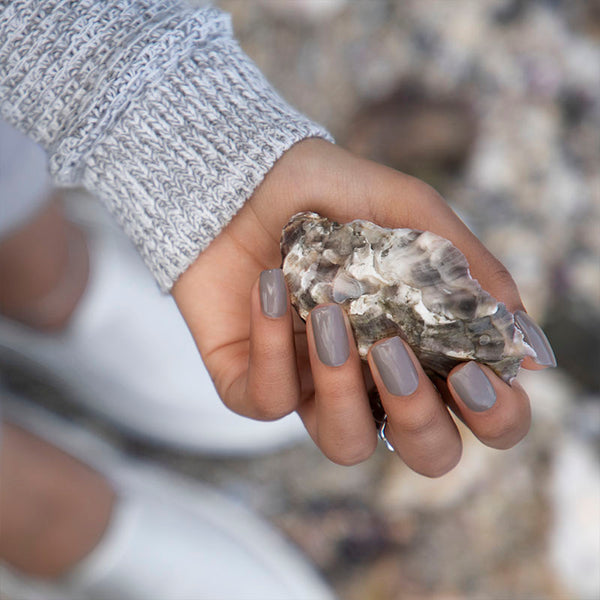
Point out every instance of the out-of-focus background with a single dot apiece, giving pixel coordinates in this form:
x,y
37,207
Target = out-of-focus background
x,y
496,104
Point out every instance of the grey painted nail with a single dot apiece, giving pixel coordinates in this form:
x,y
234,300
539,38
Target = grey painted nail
x,y
395,367
473,387
331,337
536,338
273,298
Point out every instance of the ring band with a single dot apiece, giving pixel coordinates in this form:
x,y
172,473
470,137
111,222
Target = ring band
x,y
382,437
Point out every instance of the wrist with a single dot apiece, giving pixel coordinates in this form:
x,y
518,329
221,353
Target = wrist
x,y
306,177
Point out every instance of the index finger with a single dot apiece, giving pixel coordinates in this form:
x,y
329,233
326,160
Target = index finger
x,y
399,200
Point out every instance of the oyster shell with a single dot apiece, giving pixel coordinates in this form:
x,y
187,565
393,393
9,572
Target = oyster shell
x,y
404,282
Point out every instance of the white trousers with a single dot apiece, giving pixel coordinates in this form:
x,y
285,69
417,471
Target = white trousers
x,y
24,180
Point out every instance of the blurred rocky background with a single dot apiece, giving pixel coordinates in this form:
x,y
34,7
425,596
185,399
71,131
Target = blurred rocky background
x,y
496,104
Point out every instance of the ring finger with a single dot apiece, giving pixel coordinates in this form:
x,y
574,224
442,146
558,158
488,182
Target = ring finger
x,y
419,426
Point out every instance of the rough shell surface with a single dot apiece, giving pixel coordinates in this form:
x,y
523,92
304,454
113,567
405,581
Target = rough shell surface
x,y
404,282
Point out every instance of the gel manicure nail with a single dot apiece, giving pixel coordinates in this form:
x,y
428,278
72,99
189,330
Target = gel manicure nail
x,y
536,338
331,337
395,367
273,298
473,387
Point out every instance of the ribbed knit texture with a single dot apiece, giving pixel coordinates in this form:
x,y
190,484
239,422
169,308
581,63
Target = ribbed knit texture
x,y
153,107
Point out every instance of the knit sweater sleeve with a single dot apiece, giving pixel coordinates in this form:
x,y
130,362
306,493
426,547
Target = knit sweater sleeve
x,y
153,107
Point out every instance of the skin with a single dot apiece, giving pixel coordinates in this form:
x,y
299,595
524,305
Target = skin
x,y
46,255
265,368
53,509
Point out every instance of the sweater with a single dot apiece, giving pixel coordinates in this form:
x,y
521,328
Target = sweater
x,y
153,107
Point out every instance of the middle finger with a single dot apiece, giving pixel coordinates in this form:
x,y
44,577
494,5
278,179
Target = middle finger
x,y
343,422
419,426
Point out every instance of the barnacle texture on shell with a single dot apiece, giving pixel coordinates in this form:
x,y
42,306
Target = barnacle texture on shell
x,y
404,282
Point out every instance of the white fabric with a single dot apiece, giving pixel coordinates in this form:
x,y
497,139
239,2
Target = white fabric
x,y
127,354
24,179
169,538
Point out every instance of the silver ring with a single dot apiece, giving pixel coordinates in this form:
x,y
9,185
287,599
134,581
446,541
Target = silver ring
x,y
381,434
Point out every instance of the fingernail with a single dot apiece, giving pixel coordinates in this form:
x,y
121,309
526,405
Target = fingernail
x,y
330,333
536,338
273,298
395,367
473,387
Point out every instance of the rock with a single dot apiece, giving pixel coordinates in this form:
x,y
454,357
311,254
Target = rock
x,y
402,282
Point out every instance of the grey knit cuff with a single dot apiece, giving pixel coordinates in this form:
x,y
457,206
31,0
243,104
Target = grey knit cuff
x,y
183,159
154,108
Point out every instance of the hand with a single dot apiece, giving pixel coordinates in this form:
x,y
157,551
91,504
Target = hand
x,y
267,367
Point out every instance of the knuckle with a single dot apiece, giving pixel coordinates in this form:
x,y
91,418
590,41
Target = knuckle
x,y
502,279
421,189
270,351
417,422
339,396
421,195
427,193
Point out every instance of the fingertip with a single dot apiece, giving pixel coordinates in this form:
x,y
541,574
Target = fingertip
x,y
498,413
530,365
445,463
350,453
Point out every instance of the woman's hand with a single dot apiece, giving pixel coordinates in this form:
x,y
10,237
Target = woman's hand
x,y
265,367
